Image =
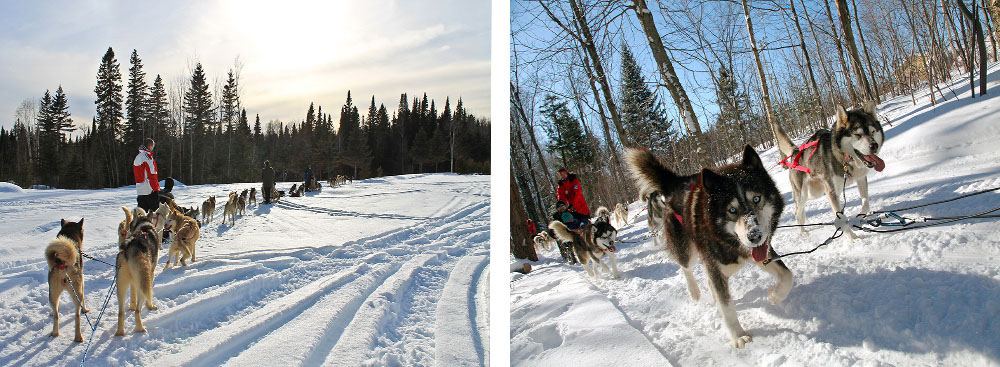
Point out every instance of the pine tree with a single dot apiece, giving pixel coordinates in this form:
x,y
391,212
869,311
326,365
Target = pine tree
x,y
135,103
109,117
48,142
198,110
566,139
157,114
59,113
642,112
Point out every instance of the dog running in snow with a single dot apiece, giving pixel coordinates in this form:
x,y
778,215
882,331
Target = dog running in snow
x,y
725,217
186,233
66,265
621,215
590,244
229,211
135,264
819,165
543,240
208,210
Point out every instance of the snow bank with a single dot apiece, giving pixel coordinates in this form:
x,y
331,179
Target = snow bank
x,y
6,187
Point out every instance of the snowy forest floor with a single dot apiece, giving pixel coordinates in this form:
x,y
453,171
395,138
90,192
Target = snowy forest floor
x,y
387,271
922,297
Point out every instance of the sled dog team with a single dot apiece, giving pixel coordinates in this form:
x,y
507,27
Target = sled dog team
x,y
140,236
726,216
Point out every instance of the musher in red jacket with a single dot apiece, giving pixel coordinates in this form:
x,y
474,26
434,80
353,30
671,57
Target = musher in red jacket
x,y
570,192
147,184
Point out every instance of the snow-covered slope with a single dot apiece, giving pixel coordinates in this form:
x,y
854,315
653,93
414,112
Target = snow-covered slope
x,y
388,271
923,297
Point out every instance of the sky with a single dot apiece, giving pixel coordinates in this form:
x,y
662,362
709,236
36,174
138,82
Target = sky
x,y
292,52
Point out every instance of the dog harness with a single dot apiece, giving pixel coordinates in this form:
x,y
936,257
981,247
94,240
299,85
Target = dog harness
x,y
680,219
795,162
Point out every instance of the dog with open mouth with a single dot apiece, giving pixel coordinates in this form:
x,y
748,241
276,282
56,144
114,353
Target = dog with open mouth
x,y
725,217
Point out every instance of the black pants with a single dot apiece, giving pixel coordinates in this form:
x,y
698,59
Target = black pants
x,y
150,202
266,192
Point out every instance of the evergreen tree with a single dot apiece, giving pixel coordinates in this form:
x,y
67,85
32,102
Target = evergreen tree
x,y
135,103
198,111
157,114
59,113
48,142
109,117
642,112
566,139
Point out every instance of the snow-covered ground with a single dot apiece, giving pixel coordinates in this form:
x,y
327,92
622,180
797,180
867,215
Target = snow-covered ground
x,y
388,271
926,297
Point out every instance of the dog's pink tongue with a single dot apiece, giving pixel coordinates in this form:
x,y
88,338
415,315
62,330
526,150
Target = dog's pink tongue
x,y
879,163
759,253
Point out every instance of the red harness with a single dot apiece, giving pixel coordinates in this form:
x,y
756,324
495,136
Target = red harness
x,y
795,162
680,219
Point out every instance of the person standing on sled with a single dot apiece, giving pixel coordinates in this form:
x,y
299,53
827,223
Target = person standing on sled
x,y
570,192
147,185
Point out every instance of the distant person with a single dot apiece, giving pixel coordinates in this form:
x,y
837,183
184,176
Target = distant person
x,y
147,186
267,176
572,220
570,192
307,178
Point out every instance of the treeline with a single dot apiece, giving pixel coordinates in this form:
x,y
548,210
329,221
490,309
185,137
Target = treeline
x,y
205,136
579,97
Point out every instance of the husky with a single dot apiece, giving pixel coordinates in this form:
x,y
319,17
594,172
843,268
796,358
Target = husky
x,y
208,210
276,195
253,196
594,241
241,203
135,265
186,233
229,211
543,240
65,266
820,164
124,226
621,215
725,217
159,220
602,213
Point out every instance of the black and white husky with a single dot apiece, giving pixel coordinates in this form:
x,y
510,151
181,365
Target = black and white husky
x,y
725,217
592,243
852,147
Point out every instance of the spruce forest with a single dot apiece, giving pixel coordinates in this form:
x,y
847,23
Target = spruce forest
x,y
204,134
694,80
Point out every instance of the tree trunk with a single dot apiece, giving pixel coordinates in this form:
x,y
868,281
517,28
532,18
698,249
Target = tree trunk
x,y
977,29
920,49
516,100
805,52
760,70
852,49
520,241
586,41
840,53
670,80
864,48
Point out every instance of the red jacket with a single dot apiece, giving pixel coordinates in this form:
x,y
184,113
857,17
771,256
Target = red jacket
x,y
144,168
571,192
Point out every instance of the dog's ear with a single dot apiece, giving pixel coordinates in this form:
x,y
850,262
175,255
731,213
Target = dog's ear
x,y
841,116
710,180
81,222
750,157
62,222
870,107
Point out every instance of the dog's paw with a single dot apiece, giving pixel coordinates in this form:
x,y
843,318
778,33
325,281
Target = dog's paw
x,y
54,333
152,307
742,341
84,309
120,333
78,338
131,307
140,329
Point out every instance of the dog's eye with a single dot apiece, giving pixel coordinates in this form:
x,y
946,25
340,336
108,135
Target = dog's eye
x,y
756,199
732,210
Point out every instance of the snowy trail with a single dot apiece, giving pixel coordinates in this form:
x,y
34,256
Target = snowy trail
x,y
923,297
357,267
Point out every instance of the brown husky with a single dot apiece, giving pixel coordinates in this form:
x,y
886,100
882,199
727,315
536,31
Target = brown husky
x,y
65,266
